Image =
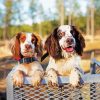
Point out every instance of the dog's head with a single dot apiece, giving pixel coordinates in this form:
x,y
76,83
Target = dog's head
x,y
25,45
65,40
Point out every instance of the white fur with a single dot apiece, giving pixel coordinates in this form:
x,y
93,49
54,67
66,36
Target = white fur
x,y
65,28
34,69
62,42
30,69
65,67
70,65
74,77
27,41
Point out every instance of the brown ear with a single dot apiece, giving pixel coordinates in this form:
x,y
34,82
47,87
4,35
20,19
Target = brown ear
x,y
52,45
15,46
80,41
39,46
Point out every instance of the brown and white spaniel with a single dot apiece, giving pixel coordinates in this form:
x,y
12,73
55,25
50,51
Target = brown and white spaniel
x,y
26,47
65,46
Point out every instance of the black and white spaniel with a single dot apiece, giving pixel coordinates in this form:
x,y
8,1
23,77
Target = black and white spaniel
x,y
65,46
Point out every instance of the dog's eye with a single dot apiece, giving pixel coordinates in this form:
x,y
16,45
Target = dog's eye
x,y
33,40
61,34
23,38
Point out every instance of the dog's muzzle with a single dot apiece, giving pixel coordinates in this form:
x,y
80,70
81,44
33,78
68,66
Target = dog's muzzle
x,y
70,45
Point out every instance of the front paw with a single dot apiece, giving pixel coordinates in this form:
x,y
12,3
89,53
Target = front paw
x,y
36,81
52,81
18,78
74,78
52,78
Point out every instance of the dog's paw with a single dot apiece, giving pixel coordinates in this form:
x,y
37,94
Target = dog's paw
x,y
52,81
74,78
36,80
52,78
18,78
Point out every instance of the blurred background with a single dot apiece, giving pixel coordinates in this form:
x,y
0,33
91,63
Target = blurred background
x,y
42,16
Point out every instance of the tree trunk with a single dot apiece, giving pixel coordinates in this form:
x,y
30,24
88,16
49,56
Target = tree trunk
x,y
92,20
62,13
8,4
88,22
69,19
60,7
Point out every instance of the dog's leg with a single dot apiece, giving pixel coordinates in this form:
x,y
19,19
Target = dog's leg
x,y
36,77
18,78
74,78
52,77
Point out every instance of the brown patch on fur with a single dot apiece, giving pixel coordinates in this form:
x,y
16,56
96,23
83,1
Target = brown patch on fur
x,y
38,45
22,37
80,41
15,46
52,45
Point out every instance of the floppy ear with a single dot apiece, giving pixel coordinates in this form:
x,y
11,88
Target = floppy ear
x,y
39,46
14,46
80,41
52,45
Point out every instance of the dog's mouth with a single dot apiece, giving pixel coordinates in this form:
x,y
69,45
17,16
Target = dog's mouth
x,y
69,49
28,53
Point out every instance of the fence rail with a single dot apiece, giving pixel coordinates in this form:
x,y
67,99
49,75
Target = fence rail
x,y
88,78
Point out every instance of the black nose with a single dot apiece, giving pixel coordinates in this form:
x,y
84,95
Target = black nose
x,y
27,46
70,40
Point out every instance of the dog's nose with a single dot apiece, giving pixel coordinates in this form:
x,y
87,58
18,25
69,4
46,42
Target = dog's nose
x,y
70,40
27,46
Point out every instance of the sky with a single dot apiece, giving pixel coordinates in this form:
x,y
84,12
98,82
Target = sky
x,y
48,6
83,5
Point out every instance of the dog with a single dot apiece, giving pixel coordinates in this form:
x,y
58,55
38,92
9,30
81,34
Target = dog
x,y
26,48
65,46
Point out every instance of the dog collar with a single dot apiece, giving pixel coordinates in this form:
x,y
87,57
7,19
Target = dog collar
x,y
27,60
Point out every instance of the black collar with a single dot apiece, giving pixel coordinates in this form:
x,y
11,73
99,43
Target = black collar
x,y
27,60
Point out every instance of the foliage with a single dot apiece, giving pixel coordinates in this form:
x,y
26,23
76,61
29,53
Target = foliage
x,y
12,20
97,14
